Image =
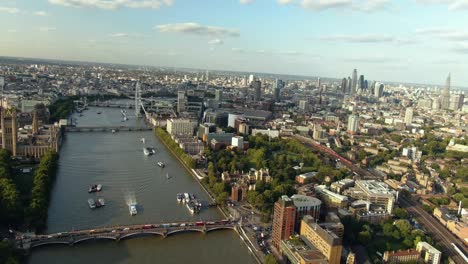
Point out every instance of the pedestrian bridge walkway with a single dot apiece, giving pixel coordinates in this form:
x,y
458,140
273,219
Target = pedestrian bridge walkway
x,y
121,232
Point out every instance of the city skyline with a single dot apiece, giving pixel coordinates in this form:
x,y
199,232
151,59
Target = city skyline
x,y
280,37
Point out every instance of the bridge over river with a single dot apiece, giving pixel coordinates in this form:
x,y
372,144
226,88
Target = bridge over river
x,y
121,232
106,128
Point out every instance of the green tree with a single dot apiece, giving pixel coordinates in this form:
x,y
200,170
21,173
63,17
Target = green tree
x,y
222,198
400,213
364,237
270,259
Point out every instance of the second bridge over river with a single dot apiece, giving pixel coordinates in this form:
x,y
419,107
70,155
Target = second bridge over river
x,y
121,232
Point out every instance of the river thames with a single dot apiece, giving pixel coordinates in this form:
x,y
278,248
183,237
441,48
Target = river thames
x,y
117,162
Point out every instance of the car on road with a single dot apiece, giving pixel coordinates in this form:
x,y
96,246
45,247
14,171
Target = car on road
x,y
126,229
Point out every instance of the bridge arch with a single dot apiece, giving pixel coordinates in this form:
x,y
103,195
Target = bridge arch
x,y
93,238
49,243
184,230
145,233
220,228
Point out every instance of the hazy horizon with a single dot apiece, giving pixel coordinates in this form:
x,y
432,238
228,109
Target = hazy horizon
x,y
407,41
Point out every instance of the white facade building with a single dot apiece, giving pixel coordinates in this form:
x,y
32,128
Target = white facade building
x,y
181,127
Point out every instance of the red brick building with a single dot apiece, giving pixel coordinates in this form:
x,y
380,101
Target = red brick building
x,y
284,219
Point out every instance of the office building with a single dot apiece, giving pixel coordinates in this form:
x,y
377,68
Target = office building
x,y
2,82
251,79
278,86
456,101
257,85
304,105
361,84
445,97
344,85
306,205
353,124
409,116
238,142
349,83
181,101
181,127
300,251
375,192
401,256
331,199
327,242
429,253
354,82
378,90
284,220
219,95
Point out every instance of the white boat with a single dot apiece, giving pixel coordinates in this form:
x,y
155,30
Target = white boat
x,y
191,208
113,131
146,151
152,150
133,209
95,188
161,164
142,140
186,197
100,202
91,203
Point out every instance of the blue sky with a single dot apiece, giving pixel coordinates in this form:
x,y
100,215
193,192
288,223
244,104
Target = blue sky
x,y
408,40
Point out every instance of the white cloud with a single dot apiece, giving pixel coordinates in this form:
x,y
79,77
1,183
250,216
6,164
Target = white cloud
x,y
9,10
238,50
360,38
245,1
451,4
47,29
324,4
375,59
216,42
355,5
114,4
285,2
444,33
197,29
461,48
118,35
41,13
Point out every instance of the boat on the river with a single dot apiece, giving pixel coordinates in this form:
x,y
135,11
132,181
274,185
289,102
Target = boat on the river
x,y
180,197
100,202
133,210
186,198
142,140
190,207
161,164
152,150
91,203
146,151
194,207
95,188
99,112
113,131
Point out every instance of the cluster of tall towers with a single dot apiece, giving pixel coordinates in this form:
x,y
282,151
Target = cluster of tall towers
x,y
359,85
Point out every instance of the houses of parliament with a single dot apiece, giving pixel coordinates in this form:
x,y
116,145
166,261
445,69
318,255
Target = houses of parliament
x,y
27,134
